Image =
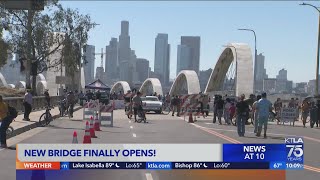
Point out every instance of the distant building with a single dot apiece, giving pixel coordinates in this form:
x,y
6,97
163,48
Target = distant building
x,y
282,75
289,86
124,50
193,42
89,57
301,87
111,63
312,86
142,67
260,72
12,67
162,58
269,85
281,86
183,58
203,78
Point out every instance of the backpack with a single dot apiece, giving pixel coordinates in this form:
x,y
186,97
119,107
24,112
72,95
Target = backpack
x,y
12,112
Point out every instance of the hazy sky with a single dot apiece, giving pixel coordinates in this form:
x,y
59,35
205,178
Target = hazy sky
x,y
286,32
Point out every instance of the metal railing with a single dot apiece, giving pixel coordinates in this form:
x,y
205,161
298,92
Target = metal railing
x,y
39,102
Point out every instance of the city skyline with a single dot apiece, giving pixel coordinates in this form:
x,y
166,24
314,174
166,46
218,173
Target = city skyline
x,y
217,25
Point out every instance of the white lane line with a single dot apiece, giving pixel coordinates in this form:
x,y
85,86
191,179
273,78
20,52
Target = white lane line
x,y
276,134
134,135
131,127
149,176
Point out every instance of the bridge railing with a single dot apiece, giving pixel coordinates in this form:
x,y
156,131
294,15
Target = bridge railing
x,y
39,102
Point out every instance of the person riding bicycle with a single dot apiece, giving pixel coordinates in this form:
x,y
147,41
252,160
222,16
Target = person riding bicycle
x,y
137,105
70,102
127,100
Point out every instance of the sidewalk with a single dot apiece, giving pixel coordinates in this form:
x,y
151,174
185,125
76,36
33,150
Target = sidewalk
x,y
21,126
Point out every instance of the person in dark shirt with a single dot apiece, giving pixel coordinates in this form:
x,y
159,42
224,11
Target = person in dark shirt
x,y
313,114
98,95
242,115
215,113
220,106
47,97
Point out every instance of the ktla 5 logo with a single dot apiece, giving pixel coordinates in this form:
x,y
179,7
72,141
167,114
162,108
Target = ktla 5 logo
x,y
296,151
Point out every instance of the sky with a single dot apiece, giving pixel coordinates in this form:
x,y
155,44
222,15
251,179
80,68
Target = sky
x,y
286,32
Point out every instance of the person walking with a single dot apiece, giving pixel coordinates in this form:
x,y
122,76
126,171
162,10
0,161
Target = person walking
x,y
305,109
255,114
215,112
242,110
313,114
226,113
27,102
137,105
178,104
173,104
70,102
264,106
7,115
232,111
220,106
47,97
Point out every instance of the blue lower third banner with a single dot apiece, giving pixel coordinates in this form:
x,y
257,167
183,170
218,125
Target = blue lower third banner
x,y
254,153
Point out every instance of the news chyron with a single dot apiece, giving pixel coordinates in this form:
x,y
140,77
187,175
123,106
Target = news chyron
x,y
288,155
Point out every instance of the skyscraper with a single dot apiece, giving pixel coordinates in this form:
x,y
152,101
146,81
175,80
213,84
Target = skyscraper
x,y
183,58
193,42
162,58
124,51
260,72
142,68
111,63
282,75
89,57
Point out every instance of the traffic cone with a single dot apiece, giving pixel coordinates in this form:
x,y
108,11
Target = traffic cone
x,y
87,137
97,123
75,138
92,133
190,118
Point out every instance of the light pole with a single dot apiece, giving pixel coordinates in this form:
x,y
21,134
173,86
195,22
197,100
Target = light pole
x,y
255,56
80,60
317,66
236,60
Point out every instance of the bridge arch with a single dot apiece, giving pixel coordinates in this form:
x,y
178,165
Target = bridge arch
x,y
41,86
186,82
12,86
21,85
241,53
150,86
122,86
3,82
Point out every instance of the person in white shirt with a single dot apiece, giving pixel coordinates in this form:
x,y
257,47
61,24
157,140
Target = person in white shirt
x,y
27,105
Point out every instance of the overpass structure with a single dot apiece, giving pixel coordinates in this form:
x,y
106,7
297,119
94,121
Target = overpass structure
x,y
235,55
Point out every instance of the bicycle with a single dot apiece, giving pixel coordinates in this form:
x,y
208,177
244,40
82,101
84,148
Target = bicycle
x,y
45,118
141,116
128,111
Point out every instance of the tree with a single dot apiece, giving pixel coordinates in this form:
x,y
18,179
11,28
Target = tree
x,y
4,48
48,36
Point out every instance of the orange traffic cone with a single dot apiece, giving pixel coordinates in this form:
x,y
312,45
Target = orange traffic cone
x,y
87,137
190,118
75,138
92,133
97,123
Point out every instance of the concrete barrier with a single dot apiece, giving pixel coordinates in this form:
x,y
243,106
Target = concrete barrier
x,y
39,102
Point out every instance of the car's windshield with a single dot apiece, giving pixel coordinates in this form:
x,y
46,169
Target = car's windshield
x,y
149,99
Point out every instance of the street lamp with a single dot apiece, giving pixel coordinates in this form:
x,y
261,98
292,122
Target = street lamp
x,y
255,54
236,60
80,63
317,66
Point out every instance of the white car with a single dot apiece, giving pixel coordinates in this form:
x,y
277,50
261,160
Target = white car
x,y
152,103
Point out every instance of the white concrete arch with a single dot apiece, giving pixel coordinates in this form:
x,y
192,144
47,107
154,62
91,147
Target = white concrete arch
x,y
122,86
187,82
40,77
244,69
21,85
41,86
150,86
3,82
12,86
